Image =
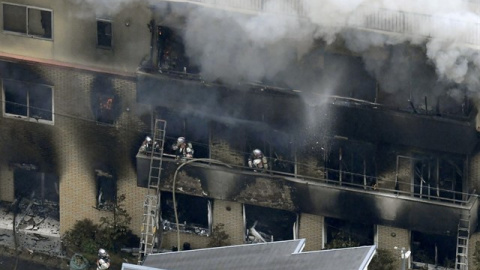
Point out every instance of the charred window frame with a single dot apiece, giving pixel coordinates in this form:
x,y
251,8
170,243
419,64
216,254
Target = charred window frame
x,y
342,233
434,250
194,213
276,146
28,20
105,110
349,162
104,34
264,224
28,101
196,130
171,51
431,177
32,184
106,190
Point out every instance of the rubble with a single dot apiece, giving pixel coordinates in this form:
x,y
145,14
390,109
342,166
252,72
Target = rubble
x,y
38,231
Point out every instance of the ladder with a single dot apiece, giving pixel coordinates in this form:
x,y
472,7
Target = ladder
x,y
151,205
463,234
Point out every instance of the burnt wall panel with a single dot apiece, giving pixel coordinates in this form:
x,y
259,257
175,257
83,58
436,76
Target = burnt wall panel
x,y
300,196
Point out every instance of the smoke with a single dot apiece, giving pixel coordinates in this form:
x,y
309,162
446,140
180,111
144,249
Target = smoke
x,y
234,48
252,46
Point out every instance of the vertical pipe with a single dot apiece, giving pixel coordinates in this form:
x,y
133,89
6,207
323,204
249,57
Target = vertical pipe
x,y
438,177
42,187
340,166
364,173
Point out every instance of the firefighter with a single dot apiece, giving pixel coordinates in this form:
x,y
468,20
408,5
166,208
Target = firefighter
x,y
183,150
103,261
257,160
148,145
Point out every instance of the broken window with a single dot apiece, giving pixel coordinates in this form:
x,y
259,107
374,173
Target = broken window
x,y
31,21
430,177
434,250
350,162
194,213
104,100
171,51
104,33
105,113
31,184
342,233
106,190
195,129
267,224
33,102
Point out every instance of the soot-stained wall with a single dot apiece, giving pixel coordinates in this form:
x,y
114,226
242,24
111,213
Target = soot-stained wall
x,y
76,144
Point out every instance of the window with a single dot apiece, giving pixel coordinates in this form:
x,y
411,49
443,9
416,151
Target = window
x,y
30,21
267,224
195,129
430,250
343,233
106,190
33,102
104,33
31,184
194,213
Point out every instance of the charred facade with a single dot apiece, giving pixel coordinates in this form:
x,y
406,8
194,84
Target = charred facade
x,y
362,146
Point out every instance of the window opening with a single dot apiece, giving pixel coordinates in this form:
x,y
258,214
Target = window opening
x,y
31,21
25,100
194,129
430,177
104,33
32,184
434,250
268,224
105,112
171,51
194,213
342,233
281,149
106,190
350,163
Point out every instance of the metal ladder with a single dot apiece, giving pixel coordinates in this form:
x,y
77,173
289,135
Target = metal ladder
x,y
151,205
463,234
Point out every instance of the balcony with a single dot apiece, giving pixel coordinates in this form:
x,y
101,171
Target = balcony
x,y
317,196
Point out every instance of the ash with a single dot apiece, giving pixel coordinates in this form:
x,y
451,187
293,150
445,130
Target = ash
x,y
37,227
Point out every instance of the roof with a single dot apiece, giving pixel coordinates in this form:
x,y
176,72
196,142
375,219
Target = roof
x,y
272,255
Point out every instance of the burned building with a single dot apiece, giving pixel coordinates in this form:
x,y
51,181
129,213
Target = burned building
x,y
369,138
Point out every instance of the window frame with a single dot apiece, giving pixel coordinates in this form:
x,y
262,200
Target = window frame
x,y
22,117
27,7
111,33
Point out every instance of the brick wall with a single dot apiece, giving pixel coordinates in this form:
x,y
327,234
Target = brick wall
x,y
227,144
308,165
231,215
474,238
390,237
196,241
76,144
311,228
6,183
474,171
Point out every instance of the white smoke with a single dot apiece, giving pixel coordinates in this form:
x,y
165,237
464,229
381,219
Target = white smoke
x,y
252,46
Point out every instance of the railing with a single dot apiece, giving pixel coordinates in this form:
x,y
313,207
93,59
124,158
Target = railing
x,y
365,17
365,183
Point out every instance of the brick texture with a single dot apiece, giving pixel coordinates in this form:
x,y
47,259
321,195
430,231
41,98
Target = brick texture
x,y
6,183
76,145
389,237
311,228
231,215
